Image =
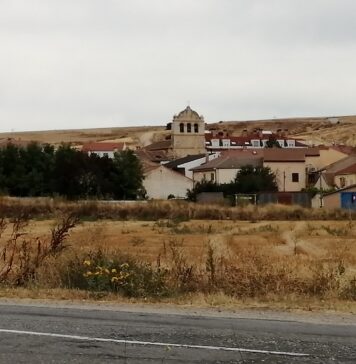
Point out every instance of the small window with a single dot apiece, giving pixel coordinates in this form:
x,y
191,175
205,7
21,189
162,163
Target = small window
x,y
105,154
189,128
255,143
212,177
196,128
342,182
295,177
181,127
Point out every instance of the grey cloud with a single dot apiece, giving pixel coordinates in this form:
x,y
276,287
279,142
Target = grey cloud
x,y
92,63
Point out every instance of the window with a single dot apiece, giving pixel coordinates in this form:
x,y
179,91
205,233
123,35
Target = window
x,y
255,143
196,128
342,182
105,154
212,177
215,143
181,127
226,142
295,177
189,128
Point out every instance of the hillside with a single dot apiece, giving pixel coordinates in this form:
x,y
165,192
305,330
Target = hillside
x,y
323,130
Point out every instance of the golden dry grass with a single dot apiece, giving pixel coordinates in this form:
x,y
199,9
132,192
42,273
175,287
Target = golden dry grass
x,y
147,239
256,248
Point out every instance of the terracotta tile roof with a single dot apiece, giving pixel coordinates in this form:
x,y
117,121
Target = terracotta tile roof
x,y
312,152
348,170
245,140
341,164
103,147
153,156
283,155
230,162
162,145
274,154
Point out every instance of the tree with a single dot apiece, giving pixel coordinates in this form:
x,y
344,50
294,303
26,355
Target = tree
x,y
128,176
203,186
251,179
272,142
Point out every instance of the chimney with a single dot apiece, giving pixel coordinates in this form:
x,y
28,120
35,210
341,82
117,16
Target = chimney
x,y
244,133
279,133
260,133
285,133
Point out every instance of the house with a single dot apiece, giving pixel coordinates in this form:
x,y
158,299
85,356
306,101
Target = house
x,y
161,182
224,168
332,154
289,166
344,198
103,149
339,174
186,164
259,138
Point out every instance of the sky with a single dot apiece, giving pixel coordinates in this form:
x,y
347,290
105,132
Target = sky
x,y
109,63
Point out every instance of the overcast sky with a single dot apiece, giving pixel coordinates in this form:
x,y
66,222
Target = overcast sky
x,y
97,63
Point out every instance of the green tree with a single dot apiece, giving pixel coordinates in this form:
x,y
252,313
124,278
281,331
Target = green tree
x,y
127,176
251,179
203,186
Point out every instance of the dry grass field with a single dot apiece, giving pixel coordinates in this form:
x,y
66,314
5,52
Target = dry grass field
x,y
313,130
289,264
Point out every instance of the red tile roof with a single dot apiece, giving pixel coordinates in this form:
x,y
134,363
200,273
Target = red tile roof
x,y
348,170
103,147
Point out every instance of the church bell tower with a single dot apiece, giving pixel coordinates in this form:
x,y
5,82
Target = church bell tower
x,y
188,133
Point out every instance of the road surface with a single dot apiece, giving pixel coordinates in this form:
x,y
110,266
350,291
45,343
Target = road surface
x,y
50,334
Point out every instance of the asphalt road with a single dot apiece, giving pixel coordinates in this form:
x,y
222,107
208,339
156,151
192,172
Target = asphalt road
x,y
31,334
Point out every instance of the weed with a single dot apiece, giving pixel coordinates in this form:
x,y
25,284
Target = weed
x,y
114,272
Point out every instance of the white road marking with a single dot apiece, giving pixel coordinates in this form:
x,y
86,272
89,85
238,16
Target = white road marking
x,y
148,343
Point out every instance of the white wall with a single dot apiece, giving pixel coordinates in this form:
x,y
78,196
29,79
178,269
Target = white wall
x,y
162,182
196,163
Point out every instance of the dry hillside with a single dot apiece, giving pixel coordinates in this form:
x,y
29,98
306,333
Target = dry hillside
x,y
323,130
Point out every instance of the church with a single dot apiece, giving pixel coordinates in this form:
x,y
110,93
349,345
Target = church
x,y
187,136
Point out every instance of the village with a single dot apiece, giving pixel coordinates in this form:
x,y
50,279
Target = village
x,y
191,152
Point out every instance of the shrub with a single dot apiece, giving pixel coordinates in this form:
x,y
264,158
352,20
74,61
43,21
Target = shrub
x,y
117,273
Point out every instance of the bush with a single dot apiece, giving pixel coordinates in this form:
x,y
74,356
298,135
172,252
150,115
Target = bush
x,y
99,272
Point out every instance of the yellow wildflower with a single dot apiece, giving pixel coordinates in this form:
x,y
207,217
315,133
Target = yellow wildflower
x,y
87,262
113,270
114,279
